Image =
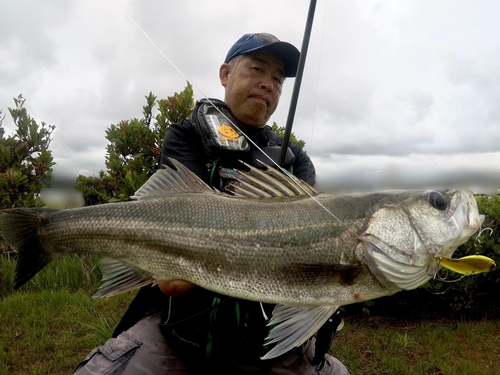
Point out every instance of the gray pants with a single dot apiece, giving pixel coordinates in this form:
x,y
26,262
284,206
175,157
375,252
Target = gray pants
x,y
143,350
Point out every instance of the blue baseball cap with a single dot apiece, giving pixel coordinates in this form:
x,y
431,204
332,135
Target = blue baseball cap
x,y
262,41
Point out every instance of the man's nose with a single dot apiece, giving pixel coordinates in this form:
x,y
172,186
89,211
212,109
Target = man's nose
x,y
267,84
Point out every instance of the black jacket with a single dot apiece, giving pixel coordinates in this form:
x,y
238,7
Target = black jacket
x,y
182,142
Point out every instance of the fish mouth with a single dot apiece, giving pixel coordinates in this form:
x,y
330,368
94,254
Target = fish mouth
x,y
467,219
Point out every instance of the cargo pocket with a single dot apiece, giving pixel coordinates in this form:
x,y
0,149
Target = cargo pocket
x,y
110,358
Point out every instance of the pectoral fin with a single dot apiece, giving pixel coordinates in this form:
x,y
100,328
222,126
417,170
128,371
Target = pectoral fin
x,y
294,325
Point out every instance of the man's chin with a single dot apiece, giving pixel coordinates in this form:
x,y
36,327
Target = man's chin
x,y
253,114
251,122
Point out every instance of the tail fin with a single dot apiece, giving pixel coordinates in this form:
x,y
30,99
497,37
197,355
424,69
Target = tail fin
x,y
19,226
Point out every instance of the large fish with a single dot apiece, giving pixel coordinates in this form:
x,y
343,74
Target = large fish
x,y
307,254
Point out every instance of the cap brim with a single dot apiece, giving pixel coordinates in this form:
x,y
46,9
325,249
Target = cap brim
x,y
285,51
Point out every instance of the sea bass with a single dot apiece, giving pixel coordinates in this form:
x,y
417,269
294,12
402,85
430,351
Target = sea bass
x,y
307,253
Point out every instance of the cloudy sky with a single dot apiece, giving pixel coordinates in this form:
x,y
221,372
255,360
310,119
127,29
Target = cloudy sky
x,y
395,94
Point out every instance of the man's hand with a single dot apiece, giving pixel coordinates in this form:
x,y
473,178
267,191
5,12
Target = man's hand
x,y
175,287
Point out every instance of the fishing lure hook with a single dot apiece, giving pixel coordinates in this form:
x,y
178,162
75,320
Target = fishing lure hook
x,y
437,275
479,234
477,241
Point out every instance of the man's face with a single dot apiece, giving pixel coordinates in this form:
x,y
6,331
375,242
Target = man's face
x,y
253,87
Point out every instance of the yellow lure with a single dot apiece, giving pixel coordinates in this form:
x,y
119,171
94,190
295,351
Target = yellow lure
x,y
468,265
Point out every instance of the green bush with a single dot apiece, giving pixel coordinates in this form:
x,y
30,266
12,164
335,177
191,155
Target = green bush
x,y
25,159
134,149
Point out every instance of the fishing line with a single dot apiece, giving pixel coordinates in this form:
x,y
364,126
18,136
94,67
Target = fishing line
x,y
161,53
318,74
284,171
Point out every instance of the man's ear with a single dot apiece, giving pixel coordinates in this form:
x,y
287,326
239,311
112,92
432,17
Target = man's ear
x,y
224,73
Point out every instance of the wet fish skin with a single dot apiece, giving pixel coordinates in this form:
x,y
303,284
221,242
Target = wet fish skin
x,y
286,250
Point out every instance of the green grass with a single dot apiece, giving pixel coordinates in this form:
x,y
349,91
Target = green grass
x,y
378,345
52,322
50,332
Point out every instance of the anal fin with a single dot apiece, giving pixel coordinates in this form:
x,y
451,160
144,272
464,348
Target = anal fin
x,y
294,325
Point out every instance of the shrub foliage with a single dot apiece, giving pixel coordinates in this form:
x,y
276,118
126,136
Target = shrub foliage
x,y
134,149
25,159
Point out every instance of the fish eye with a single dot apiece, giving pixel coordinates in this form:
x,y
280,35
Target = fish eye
x,y
437,200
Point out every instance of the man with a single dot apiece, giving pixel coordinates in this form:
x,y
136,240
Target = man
x,y
187,329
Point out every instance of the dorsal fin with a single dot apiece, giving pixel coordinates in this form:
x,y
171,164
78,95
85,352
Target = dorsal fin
x,y
290,181
267,183
256,183
167,181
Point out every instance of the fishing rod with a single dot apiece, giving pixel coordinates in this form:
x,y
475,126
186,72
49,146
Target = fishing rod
x,y
298,81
